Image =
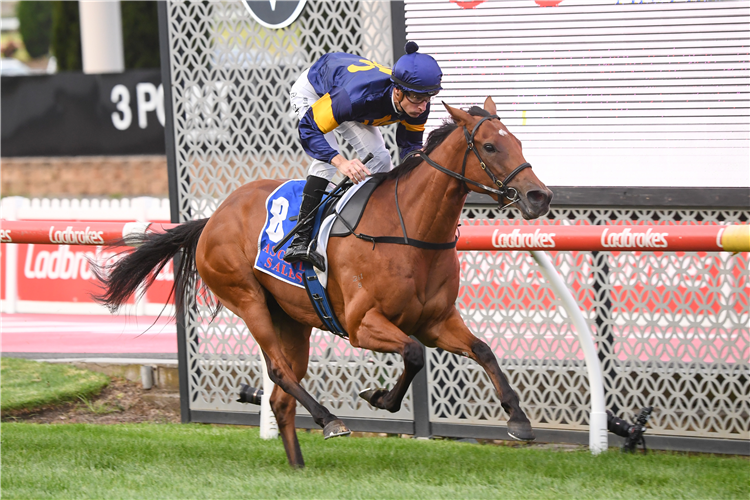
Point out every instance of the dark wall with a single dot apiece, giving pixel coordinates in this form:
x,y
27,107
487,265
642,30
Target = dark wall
x,y
71,114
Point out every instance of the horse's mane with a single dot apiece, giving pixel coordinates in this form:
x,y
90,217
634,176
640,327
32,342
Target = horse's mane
x,y
434,139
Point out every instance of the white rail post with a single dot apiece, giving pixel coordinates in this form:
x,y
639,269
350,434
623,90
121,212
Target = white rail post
x,y
598,417
269,428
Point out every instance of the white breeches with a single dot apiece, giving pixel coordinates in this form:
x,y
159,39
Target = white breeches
x,y
364,139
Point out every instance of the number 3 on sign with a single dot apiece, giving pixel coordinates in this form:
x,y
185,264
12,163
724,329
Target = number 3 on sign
x,y
279,209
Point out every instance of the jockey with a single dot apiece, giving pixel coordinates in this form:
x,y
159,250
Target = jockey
x,y
355,96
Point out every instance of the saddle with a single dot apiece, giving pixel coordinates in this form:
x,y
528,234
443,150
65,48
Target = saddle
x,y
345,223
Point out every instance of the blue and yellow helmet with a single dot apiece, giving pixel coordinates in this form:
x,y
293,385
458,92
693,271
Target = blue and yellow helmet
x,y
417,72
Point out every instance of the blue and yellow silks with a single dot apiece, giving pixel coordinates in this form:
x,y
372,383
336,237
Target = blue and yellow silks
x,y
358,90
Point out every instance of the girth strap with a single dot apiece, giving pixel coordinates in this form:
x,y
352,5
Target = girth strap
x,y
396,240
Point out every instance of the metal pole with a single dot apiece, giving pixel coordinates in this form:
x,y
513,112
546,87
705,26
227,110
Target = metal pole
x,y
598,417
174,202
101,36
420,397
602,290
269,428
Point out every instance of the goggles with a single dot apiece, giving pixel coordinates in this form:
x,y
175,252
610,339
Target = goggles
x,y
419,98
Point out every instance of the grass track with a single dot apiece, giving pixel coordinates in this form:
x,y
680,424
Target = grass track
x,y
30,384
201,461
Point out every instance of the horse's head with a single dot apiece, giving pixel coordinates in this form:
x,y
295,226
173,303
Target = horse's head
x,y
498,156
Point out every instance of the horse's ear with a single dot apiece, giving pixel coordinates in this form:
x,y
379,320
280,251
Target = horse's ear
x,y
489,106
459,116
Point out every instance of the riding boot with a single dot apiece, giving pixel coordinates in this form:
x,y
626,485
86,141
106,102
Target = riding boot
x,y
299,249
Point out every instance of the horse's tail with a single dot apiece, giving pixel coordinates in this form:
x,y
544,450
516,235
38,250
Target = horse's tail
x,y
124,277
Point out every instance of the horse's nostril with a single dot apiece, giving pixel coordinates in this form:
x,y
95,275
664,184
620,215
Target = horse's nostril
x,y
538,198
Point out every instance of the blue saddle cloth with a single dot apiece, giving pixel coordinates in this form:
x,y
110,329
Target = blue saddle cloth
x,y
281,205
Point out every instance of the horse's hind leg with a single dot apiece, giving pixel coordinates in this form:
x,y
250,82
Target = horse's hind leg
x,y
254,311
453,336
295,343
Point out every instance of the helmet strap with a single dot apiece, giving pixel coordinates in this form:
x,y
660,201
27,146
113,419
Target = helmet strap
x,y
399,101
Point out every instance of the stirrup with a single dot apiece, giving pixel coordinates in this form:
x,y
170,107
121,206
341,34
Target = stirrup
x,y
305,253
314,258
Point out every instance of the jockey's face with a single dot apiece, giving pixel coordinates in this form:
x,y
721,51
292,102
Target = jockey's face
x,y
406,105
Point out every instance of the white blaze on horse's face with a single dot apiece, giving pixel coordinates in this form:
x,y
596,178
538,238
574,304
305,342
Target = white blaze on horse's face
x,y
502,133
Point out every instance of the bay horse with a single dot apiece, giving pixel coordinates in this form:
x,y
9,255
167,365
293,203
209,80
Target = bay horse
x,y
405,290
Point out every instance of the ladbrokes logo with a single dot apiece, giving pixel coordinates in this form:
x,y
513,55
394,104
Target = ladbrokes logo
x,y
63,263
628,239
66,264
70,237
516,239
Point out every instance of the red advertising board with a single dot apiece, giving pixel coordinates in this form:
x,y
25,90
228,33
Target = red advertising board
x,y
60,273
2,271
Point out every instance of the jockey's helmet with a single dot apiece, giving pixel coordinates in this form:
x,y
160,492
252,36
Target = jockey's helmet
x,y
417,72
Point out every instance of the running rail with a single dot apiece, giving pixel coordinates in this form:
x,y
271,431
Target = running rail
x,y
74,232
644,238
532,238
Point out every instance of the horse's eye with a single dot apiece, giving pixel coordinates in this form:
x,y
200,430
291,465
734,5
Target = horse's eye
x,y
489,148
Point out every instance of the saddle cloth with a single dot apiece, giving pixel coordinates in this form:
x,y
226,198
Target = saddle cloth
x,y
284,204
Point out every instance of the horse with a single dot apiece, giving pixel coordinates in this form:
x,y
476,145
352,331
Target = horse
x,y
403,295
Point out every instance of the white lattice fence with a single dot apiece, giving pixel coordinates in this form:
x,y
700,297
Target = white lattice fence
x,y
673,331
233,124
672,328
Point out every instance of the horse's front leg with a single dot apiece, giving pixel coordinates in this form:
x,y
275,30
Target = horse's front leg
x,y
454,336
377,333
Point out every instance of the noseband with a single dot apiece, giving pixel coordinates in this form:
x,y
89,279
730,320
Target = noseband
x,y
503,190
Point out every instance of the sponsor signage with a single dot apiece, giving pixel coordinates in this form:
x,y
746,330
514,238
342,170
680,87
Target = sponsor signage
x,y
59,273
73,114
517,239
275,13
62,273
74,233
627,238
3,271
53,262
687,238
70,237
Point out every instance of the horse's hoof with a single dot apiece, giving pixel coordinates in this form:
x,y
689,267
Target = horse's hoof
x,y
521,431
335,428
369,394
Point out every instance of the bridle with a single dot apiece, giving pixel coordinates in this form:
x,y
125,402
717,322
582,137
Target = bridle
x,y
503,190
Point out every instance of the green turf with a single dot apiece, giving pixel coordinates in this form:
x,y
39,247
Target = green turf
x,y
30,384
201,461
